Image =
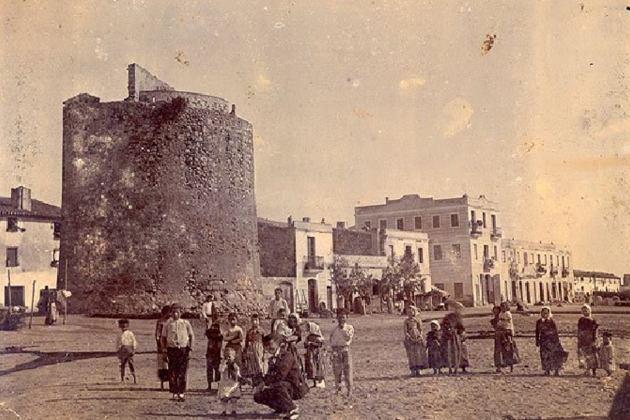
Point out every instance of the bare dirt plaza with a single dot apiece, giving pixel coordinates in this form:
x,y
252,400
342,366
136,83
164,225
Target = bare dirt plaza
x,y
71,372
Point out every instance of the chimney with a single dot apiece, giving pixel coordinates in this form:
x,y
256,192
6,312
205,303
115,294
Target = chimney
x,y
306,219
289,221
341,225
386,200
21,198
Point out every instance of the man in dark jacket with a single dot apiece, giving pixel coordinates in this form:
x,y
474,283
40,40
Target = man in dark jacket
x,y
283,382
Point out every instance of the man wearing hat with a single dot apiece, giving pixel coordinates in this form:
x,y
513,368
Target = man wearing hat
x,y
177,339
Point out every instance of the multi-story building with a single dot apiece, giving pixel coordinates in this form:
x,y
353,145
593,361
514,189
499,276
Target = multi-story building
x,y
587,282
464,241
296,256
537,271
30,241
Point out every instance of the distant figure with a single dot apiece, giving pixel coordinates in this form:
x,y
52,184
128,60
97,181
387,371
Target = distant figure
x,y
229,385
277,303
434,348
52,315
341,358
283,383
234,338
213,353
208,310
607,354
413,342
162,358
552,355
587,341
254,352
177,337
126,347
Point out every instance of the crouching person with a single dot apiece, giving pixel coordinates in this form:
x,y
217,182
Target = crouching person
x,y
283,382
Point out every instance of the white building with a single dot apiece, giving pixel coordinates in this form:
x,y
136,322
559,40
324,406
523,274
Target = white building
x,y
29,239
587,282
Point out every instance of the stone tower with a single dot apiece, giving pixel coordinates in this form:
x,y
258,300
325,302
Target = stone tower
x,y
158,201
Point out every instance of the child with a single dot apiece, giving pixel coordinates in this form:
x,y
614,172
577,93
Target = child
x,y
279,326
254,352
607,354
234,339
435,348
229,384
452,342
552,355
587,341
416,351
126,346
315,354
340,340
213,353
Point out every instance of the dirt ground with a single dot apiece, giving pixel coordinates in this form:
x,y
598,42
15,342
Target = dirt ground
x,y
71,372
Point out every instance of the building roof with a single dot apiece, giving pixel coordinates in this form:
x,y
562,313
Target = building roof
x,y
39,210
414,201
596,274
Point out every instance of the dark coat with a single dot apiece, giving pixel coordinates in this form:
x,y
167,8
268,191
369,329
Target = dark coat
x,y
284,368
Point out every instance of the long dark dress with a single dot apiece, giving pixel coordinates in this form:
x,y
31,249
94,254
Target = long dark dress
x,y
504,346
416,351
587,343
552,355
434,349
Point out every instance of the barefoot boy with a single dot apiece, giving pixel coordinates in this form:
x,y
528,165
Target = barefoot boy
x,y
126,346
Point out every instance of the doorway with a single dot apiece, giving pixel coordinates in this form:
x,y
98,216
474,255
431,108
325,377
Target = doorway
x,y
287,294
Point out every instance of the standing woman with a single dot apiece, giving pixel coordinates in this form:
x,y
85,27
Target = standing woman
x,y
414,344
162,365
451,342
552,355
587,341
505,330
314,358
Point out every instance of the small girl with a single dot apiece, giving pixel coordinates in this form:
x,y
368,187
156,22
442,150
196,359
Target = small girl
x,y
315,353
587,341
233,338
254,352
435,348
607,354
229,384
213,353
416,351
126,346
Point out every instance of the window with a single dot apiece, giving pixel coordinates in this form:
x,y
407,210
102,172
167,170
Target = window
x,y
310,244
382,223
567,261
391,251
55,258
421,255
496,253
563,261
56,230
457,251
518,257
459,290
545,259
475,251
12,224
525,260
486,251
400,224
437,252
408,251
532,259
417,221
483,218
538,255
473,216
12,257
503,256
493,220
454,220
436,222
367,224
557,260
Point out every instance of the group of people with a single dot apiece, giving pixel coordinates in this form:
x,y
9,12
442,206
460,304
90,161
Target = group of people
x,y
445,345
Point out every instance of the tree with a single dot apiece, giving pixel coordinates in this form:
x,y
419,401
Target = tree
x,y
409,273
344,285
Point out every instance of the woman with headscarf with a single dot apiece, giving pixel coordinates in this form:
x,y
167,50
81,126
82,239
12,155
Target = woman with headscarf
x,y
552,355
314,357
587,341
414,344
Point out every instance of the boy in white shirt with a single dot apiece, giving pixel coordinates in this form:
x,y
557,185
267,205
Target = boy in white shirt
x,y
126,346
340,340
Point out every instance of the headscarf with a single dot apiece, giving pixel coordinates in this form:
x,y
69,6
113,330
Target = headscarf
x,y
547,308
588,307
436,323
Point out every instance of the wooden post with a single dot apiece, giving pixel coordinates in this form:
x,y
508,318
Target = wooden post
x,y
65,287
9,277
30,322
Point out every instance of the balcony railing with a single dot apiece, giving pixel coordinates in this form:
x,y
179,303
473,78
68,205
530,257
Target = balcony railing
x,y
541,270
497,233
565,272
488,264
553,271
476,227
314,263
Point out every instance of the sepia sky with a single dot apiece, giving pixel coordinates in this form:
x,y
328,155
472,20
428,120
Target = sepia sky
x,y
358,100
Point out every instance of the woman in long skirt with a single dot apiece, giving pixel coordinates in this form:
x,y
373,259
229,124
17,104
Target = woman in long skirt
x,y
451,342
552,355
254,352
414,344
587,341
505,353
162,364
314,357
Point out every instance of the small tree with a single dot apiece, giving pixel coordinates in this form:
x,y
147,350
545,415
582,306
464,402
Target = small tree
x,y
389,284
362,283
409,272
344,285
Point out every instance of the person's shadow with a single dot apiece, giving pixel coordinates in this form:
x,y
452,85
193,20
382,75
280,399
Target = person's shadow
x,y
52,358
621,404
